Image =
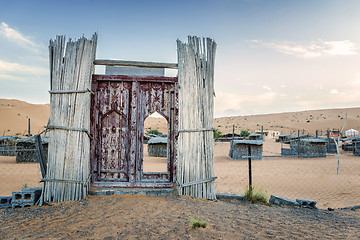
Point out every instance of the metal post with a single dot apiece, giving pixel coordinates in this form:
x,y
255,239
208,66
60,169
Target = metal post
x,y
298,144
29,127
328,140
250,177
262,132
233,132
317,133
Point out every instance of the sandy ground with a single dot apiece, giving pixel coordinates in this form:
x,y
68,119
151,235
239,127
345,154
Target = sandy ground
x,y
14,120
169,217
311,179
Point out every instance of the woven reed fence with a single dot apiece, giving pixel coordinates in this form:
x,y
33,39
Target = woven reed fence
x,y
71,67
195,166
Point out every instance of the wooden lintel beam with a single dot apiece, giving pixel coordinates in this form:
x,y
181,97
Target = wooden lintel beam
x,y
135,64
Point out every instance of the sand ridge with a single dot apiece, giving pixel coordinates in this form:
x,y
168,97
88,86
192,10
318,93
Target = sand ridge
x,y
14,113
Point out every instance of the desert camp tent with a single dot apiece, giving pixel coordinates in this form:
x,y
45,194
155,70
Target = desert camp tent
x,y
351,133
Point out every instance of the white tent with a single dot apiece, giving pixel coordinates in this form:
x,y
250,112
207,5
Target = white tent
x,y
351,133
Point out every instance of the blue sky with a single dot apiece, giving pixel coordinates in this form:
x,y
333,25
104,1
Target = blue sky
x,y
272,55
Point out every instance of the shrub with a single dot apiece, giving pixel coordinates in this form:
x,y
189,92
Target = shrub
x,y
154,131
197,223
244,133
255,196
217,134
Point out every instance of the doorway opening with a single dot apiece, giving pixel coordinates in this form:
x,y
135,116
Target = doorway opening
x,y
155,147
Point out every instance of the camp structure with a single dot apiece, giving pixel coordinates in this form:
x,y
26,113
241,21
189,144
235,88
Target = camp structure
x,y
268,134
330,144
239,149
349,143
351,133
26,149
285,138
356,146
97,121
305,148
8,145
228,137
157,147
255,136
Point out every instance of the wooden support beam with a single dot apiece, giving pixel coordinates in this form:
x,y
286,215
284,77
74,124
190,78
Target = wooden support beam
x,y
135,64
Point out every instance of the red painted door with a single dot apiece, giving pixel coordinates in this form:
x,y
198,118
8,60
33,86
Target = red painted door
x,y
120,105
113,134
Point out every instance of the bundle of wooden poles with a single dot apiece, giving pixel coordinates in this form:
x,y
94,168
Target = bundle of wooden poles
x,y
195,166
71,68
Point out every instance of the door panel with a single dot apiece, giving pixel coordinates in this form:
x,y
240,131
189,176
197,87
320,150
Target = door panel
x,y
119,107
113,131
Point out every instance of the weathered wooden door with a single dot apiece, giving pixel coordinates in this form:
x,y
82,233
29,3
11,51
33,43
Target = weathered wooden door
x,y
120,105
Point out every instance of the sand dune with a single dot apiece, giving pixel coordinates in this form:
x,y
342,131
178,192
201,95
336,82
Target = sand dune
x,y
286,123
291,122
14,114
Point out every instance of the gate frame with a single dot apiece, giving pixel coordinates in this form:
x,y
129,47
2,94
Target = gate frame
x,y
141,179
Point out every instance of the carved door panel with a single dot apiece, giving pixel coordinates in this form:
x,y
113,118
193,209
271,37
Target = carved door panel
x,y
119,107
156,97
113,163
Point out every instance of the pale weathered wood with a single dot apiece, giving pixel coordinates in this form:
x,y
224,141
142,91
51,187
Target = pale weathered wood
x,y
135,64
71,68
197,182
196,112
40,154
70,91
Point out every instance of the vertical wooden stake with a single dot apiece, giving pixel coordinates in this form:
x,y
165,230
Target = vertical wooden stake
x,y
233,136
328,139
29,127
250,177
298,144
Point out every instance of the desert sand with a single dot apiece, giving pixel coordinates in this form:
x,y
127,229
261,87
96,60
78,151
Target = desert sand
x,y
169,217
14,113
14,116
312,179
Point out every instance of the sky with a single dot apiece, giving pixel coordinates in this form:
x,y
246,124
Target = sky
x,y
272,55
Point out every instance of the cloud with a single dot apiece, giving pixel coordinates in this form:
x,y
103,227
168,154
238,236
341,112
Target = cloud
x,y
313,49
16,37
227,103
267,88
16,69
306,104
334,91
268,96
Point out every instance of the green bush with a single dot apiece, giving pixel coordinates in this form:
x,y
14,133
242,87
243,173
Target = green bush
x,y
244,133
255,196
154,131
197,223
217,134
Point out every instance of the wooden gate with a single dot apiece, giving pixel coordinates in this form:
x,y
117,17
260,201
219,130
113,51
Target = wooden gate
x,y
120,105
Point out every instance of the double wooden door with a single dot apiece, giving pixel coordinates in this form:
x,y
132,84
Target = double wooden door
x,y
119,107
